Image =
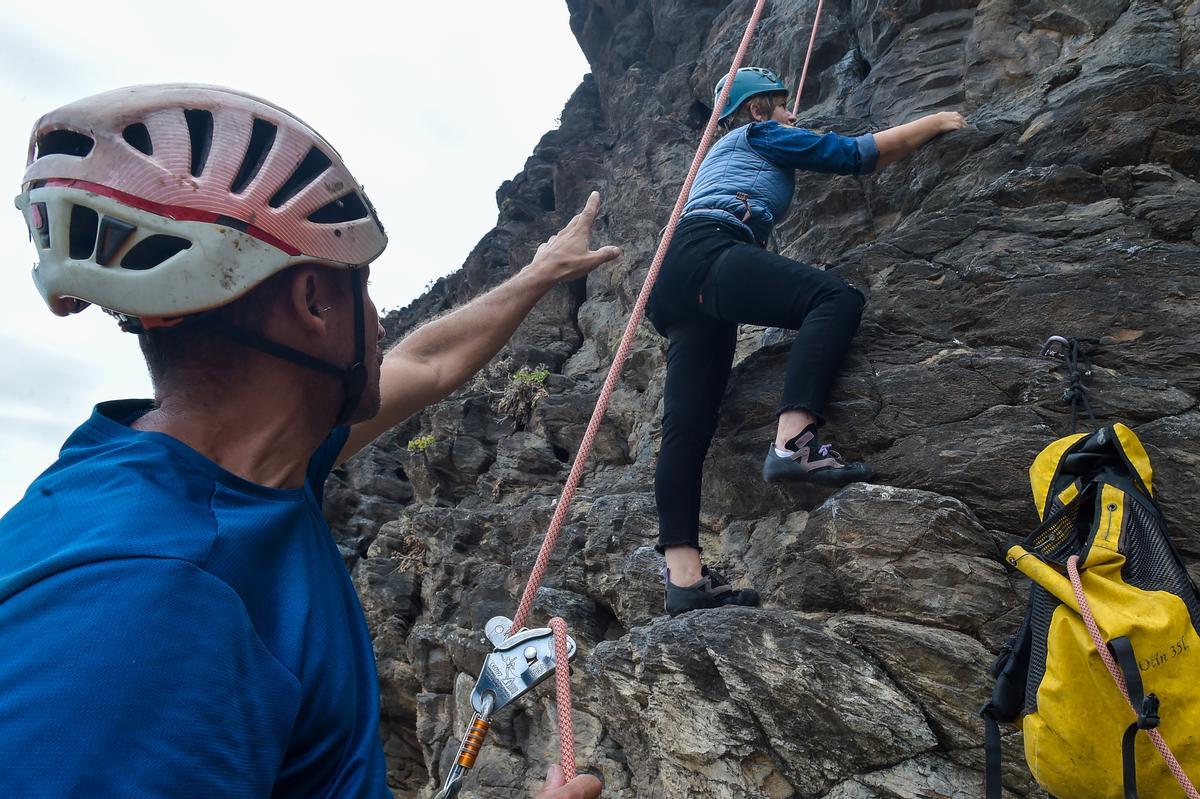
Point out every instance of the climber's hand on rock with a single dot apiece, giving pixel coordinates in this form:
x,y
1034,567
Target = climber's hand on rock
x,y
904,140
567,255
950,120
585,786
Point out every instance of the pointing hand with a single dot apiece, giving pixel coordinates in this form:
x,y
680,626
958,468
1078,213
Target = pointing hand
x,y
567,255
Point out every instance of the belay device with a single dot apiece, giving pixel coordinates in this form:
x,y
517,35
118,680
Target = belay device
x,y
518,663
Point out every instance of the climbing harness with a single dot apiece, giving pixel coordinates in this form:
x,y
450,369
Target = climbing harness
x,y
515,631
1073,352
745,198
518,663
812,40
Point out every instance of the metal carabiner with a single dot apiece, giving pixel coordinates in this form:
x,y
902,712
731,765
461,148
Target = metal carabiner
x,y
468,750
519,663
1048,349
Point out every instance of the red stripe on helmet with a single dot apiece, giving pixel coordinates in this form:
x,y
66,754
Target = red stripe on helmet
x,y
177,212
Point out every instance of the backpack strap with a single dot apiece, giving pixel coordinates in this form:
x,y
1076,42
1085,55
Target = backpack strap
x,y
1008,695
995,757
1145,704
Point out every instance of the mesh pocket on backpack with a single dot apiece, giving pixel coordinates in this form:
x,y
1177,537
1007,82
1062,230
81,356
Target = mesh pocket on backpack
x,y
1042,605
1151,564
1065,532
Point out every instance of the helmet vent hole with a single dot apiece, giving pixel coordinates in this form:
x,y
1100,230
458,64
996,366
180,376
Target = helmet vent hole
x,y
64,142
346,208
154,250
262,137
200,130
308,170
84,222
137,137
229,221
39,224
111,238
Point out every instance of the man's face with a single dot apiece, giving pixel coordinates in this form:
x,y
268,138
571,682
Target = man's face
x,y
369,402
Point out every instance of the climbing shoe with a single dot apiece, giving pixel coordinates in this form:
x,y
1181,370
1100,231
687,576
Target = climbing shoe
x,y
712,591
809,461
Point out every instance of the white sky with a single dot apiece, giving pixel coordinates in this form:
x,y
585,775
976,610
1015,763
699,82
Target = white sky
x,y
432,105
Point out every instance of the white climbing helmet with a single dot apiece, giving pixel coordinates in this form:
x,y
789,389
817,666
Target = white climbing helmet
x,y
156,202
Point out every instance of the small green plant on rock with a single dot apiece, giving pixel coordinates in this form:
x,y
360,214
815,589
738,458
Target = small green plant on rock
x,y
522,393
532,376
420,443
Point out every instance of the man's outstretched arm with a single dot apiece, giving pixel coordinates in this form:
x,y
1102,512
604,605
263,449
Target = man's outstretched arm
x,y
438,357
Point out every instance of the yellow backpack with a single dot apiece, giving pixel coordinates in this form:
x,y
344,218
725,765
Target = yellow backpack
x,y
1109,643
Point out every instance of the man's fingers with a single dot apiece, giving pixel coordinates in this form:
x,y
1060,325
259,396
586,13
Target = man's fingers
x,y
604,254
554,783
588,214
586,217
586,263
570,245
585,786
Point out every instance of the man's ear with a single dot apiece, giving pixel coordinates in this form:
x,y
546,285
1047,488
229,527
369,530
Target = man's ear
x,y
307,299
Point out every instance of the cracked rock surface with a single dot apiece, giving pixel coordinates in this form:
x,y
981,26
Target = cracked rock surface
x,y
1067,207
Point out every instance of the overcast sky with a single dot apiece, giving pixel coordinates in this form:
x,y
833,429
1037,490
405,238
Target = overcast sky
x,y
432,105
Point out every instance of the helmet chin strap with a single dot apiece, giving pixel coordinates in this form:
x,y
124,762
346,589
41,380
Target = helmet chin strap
x,y
353,377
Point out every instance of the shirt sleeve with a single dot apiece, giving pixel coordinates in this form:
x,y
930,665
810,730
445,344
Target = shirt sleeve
x,y
799,148
138,677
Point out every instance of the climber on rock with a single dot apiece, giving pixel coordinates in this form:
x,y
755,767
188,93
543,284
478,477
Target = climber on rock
x,y
175,616
717,273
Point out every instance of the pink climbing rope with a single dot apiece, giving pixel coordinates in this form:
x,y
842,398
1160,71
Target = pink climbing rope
x,y
537,574
635,318
1085,610
562,697
812,40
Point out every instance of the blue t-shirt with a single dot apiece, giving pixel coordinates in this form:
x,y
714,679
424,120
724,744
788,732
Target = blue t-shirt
x,y
168,629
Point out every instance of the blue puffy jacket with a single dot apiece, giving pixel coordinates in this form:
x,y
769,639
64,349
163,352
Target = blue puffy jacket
x,y
749,176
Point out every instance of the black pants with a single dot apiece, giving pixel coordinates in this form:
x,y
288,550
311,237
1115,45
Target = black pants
x,y
712,278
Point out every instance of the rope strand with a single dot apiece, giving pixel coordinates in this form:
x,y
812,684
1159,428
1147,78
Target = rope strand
x,y
812,40
562,675
562,696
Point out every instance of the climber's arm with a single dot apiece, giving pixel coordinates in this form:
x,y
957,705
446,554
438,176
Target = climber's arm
x,y
903,140
438,357
799,148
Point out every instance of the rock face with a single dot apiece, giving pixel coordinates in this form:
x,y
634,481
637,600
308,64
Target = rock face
x,y
1068,206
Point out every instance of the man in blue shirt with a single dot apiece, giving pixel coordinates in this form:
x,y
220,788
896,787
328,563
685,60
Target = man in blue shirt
x,y
175,618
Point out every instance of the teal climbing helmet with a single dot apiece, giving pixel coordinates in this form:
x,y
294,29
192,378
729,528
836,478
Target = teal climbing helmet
x,y
747,82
